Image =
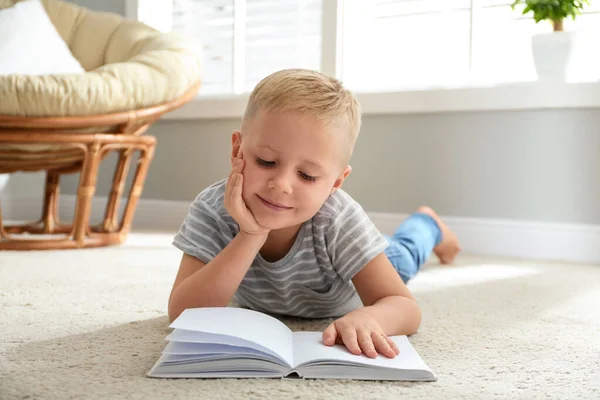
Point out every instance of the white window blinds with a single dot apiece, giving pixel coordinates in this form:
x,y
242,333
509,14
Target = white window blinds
x,y
245,40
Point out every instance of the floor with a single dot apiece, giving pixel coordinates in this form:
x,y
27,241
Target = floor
x,y
90,323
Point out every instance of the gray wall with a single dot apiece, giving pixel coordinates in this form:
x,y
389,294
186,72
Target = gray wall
x,y
114,6
536,165
530,165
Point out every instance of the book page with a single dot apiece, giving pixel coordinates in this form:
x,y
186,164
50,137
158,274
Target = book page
x,y
249,325
183,337
309,347
186,348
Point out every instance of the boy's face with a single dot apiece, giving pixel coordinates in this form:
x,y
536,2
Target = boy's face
x,y
292,165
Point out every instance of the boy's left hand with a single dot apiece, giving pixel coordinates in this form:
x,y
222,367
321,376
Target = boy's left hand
x,y
360,332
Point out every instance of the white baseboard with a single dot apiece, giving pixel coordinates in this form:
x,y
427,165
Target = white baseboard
x,y
547,241
544,241
150,214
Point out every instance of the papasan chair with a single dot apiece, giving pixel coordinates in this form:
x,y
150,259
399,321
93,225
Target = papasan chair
x,y
68,123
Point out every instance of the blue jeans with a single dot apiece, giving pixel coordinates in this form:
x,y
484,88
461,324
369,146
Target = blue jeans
x,y
412,243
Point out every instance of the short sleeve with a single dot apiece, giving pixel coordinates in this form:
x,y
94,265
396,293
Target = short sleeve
x,y
204,232
353,240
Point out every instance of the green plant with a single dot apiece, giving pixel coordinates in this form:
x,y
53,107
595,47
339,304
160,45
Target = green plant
x,y
554,11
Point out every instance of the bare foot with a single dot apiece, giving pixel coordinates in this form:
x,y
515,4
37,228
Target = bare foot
x,y
449,247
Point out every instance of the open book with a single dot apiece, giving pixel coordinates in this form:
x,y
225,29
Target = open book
x,y
227,342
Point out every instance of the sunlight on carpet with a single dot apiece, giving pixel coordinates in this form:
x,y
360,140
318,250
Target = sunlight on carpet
x,y
446,277
149,239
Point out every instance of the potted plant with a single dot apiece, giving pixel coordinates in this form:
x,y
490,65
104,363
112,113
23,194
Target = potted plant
x,y
552,51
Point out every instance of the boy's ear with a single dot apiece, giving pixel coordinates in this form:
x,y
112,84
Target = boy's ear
x,y
340,180
236,142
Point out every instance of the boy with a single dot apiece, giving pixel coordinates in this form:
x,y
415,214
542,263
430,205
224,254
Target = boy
x,y
281,236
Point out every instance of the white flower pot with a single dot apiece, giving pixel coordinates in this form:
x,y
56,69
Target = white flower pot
x,y
3,180
551,54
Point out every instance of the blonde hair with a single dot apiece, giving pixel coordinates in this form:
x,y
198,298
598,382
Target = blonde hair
x,y
309,93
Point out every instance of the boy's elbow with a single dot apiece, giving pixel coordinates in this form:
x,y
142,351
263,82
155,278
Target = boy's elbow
x,y
417,319
411,319
174,309
173,314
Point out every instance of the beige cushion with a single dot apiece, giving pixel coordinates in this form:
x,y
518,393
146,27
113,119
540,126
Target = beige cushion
x,y
128,66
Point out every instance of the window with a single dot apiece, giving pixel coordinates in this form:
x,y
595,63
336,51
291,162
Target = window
x,y
246,40
501,49
416,44
389,45
373,45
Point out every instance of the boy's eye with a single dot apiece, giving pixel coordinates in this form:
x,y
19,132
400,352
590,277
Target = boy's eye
x,y
265,163
307,177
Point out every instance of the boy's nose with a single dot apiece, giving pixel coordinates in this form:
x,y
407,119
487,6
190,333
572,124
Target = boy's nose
x,y
281,183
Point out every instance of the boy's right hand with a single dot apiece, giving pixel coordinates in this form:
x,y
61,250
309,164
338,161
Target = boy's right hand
x,y
235,204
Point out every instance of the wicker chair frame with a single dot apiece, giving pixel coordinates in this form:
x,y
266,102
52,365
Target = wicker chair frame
x,y
78,144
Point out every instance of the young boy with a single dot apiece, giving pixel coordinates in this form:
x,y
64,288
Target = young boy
x,y
280,235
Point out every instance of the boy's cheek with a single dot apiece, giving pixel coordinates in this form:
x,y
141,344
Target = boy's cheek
x,y
249,183
247,197
251,173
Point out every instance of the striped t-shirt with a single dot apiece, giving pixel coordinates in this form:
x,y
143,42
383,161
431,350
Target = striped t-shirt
x,y
314,279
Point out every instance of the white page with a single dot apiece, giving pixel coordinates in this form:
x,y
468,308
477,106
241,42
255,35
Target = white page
x,y
200,349
217,369
245,324
308,346
184,336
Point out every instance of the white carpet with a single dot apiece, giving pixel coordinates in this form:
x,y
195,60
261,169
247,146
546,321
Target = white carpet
x,y
90,323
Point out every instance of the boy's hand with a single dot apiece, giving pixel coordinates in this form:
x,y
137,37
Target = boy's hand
x,y
360,332
235,204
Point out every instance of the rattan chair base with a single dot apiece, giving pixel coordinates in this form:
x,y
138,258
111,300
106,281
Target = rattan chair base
x,y
58,146
90,240
94,148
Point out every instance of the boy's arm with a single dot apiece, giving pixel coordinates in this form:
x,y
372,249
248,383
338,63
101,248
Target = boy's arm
x,y
213,284
389,309
386,297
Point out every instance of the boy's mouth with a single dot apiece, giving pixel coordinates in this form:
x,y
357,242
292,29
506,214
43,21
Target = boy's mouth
x,y
273,205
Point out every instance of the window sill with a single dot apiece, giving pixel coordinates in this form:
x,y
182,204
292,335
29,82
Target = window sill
x,y
522,96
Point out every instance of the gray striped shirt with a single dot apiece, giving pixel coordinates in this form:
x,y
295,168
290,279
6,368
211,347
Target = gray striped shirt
x,y
314,280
